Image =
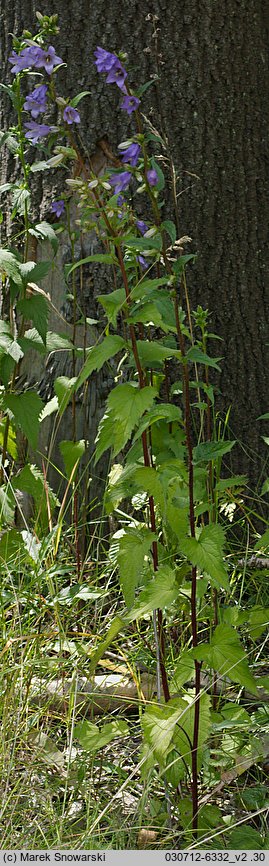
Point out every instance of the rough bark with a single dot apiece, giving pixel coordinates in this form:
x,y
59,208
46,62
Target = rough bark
x,y
214,102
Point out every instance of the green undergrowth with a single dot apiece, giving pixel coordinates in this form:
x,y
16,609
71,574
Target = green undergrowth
x,y
159,585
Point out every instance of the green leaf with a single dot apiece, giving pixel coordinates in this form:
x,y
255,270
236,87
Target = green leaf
x,y
132,242
263,541
58,342
226,655
170,228
42,165
98,354
245,839
184,670
258,621
197,356
92,738
10,266
184,730
101,258
158,594
71,452
146,287
207,451
207,553
112,304
36,309
152,353
31,480
150,313
125,405
180,264
117,625
233,481
132,549
8,345
12,548
25,409
7,505
265,487
11,442
45,231
76,99
20,196
34,271
165,411
64,389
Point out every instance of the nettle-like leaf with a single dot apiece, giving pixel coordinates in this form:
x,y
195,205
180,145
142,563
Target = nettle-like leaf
x,y
145,288
184,670
92,738
10,265
258,621
25,409
132,548
11,442
125,405
159,593
226,655
153,354
207,451
149,313
36,309
197,356
97,355
164,411
8,345
207,553
72,452
34,271
172,725
131,480
20,196
170,228
7,505
45,231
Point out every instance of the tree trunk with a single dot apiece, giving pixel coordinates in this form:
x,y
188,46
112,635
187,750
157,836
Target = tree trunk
x,y
214,106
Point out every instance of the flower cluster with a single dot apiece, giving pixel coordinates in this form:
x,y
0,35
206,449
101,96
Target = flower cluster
x,y
116,74
35,57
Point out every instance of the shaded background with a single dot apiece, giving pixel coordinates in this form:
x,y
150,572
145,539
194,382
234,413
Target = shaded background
x,y
214,104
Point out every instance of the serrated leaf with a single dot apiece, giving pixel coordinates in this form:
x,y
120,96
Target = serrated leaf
x,y
19,198
174,724
64,389
11,442
71,452
258,621
145,287
161,181
184,670
10,265
207,451
132,549
36,309
152,353
92,738
133,242
42,165
244,839
158,594
58,342
25,409
182,261
125,405
150,314
34,271
233,481
97,356
226,655
12,548
46,232
207,553
165,411
184,730
50,407
197,356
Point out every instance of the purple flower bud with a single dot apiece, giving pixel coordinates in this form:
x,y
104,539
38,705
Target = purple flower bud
x,y
141,226
142,262
57,207
36,101
131,154
71,115
37,131
120,181
130,103
152,177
